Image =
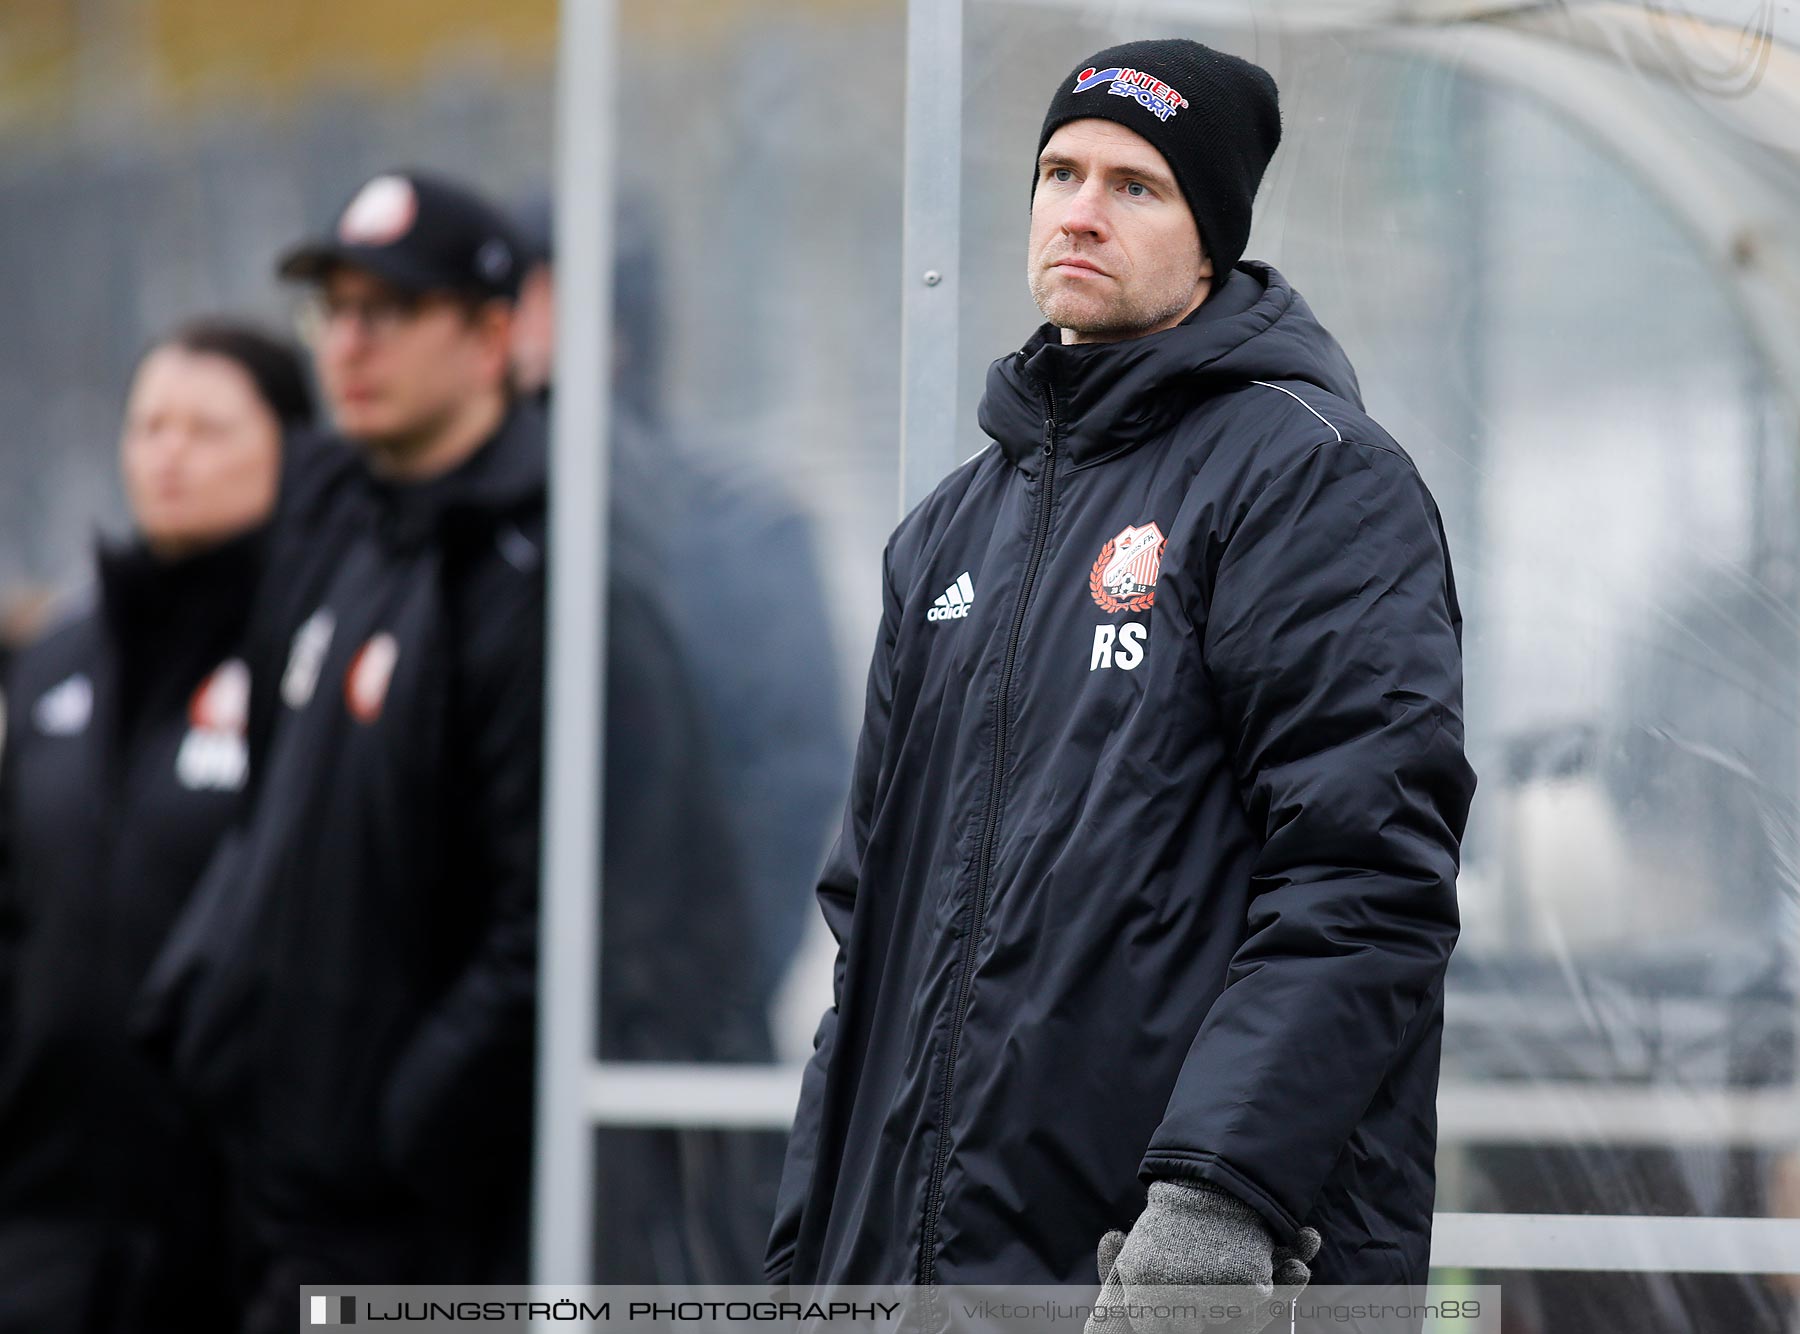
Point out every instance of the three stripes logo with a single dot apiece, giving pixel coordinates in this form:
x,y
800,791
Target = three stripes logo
x,y
954,602
332,1310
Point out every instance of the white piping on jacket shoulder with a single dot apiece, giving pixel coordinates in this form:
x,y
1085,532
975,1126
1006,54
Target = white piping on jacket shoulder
x,y
1264,383
1303,403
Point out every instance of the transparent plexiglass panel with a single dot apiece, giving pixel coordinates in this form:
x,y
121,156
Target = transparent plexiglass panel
x,y
754,480
1497,224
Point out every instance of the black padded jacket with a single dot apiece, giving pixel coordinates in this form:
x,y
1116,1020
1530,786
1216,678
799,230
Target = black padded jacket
x,y
1148,868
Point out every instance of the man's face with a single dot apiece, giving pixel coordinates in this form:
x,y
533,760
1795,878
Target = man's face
x,y
396,367
1114,250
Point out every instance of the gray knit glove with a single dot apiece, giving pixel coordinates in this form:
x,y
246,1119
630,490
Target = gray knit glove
x,y
1291,1269
1198,1237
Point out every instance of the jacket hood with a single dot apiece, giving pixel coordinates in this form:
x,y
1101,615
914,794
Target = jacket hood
x,y
1110,397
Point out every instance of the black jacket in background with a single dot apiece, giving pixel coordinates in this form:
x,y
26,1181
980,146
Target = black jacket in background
x,y
352,992
126,758
1149,865
782,753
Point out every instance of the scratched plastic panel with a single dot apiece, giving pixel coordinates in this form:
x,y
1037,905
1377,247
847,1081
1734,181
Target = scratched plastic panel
x,y
755,477
1559,252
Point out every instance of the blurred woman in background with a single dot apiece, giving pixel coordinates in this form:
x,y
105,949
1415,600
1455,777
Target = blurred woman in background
x,y
126,756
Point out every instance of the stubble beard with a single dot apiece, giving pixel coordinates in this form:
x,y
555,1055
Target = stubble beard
x,y
1122,317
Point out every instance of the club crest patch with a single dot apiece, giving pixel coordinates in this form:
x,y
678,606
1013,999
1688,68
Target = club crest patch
x,y
222,701
1124,577
366,683
215,754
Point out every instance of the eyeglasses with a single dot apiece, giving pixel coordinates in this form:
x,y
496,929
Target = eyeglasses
x,y
379,317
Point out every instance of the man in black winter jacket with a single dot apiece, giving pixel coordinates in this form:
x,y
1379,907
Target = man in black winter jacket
x,y
1146,885
351,993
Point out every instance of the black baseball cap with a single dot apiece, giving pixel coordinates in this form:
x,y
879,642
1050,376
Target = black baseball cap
x,y
420,232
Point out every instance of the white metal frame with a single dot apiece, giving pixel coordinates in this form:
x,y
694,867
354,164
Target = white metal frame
x,y
569,947
930,246
1616,1243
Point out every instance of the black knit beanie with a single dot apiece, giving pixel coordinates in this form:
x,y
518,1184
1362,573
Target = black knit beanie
x,y
1214,117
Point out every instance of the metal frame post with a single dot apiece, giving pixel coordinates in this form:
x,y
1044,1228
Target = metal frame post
x,y
930,246
569,943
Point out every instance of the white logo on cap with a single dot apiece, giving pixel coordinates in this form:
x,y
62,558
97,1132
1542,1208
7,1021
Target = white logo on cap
x,y
382,212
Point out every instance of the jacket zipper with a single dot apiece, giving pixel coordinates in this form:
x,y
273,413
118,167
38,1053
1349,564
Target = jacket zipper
x,y
984,866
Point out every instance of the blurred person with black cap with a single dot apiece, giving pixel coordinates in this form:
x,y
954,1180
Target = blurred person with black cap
x,y
1146,888
125,760
351,992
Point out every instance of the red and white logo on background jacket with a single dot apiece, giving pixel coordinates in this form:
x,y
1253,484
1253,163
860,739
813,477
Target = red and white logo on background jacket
x,y
371,670
215,753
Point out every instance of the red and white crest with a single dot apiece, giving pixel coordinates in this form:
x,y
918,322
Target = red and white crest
x,y
1124,578
382,212
366,683
222,702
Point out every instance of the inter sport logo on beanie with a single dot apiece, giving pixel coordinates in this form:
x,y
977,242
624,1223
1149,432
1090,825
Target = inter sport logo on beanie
x,y
1151,92
1215,118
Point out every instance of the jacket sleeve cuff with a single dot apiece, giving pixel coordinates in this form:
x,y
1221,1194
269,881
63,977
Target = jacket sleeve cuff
x,y
1210,1169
